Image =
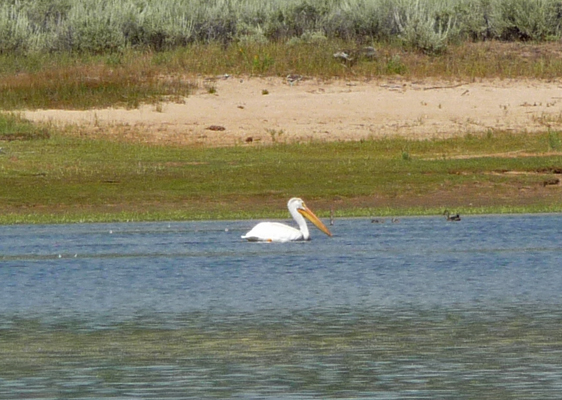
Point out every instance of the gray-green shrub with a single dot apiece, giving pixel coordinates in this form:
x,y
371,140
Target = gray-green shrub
x,y
111,25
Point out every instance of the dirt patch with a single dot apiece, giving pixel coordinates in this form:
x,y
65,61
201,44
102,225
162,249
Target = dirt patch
x,y
266,110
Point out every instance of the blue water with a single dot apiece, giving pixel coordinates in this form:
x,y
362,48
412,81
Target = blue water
x,y
422,308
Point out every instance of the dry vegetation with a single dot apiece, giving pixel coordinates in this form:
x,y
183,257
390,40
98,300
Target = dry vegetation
x,y
132,78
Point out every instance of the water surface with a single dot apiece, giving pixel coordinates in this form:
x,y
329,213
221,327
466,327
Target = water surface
x,y
420,309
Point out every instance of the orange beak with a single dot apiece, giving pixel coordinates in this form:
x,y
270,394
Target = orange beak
x,y
309,215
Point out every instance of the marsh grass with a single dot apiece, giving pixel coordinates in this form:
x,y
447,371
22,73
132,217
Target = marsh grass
x,y
86,82
70,179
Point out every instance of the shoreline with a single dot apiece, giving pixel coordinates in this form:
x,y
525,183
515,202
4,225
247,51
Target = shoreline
x,y
104,218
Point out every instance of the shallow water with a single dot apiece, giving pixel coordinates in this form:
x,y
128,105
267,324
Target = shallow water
x,y
420,309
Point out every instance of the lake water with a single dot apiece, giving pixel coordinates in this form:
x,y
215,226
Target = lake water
x,y
419,309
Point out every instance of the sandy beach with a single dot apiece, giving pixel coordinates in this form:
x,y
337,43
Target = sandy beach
x,y
228,110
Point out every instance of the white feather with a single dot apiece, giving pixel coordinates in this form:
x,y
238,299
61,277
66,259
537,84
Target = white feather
x,y
277,232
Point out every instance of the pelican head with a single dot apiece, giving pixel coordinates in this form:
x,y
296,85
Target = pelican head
x,y
297,205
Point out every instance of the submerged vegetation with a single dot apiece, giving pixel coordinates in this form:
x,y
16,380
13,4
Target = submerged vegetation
x,y
325,353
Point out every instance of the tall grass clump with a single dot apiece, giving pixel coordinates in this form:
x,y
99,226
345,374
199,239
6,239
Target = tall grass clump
x,y
554,142
113,25
14,127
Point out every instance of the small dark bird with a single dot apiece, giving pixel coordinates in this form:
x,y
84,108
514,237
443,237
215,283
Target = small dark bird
x,y
377,221
450,217
293,78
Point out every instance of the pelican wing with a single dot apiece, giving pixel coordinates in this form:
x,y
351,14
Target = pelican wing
x,y
273,232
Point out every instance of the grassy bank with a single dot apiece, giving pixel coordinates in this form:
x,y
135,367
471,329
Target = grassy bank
x,y
51,177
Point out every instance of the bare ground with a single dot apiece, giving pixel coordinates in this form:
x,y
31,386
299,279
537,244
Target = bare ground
x,y
233,110
252,111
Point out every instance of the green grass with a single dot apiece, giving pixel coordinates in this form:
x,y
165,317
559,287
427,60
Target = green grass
x,y
60,178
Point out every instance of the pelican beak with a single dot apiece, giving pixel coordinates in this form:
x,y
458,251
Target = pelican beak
x,y
308,214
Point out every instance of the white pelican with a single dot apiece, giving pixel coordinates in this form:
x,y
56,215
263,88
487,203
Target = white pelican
x,y
277,232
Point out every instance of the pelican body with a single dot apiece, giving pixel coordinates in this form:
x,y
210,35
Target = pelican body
x,y
277,232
